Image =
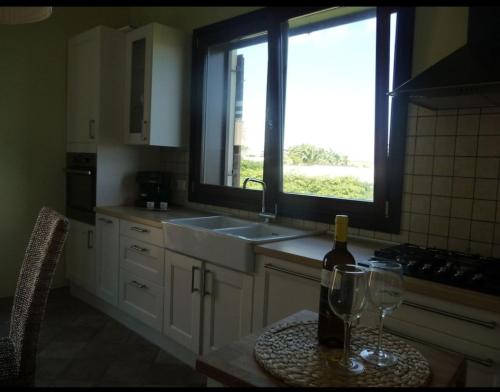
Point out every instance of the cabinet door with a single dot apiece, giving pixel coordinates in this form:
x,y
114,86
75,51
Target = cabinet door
x,y
141,299
107,249
182,313
283,288
81,256
227,306
138,85
83,87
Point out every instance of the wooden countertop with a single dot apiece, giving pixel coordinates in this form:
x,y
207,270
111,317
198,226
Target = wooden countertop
x,y
149,217
310,251
234,364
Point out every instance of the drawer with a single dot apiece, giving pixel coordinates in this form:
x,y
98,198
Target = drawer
x,y
149,234
141,299
142,259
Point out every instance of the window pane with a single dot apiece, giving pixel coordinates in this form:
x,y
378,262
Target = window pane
x,y
234,112
330,106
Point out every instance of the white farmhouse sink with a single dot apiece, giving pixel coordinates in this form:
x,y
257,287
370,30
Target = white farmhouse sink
x,y
224,240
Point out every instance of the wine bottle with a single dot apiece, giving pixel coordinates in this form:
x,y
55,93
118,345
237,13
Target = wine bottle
x,y
330,326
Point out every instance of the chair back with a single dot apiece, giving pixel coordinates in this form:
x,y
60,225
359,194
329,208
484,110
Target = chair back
x,y
42,254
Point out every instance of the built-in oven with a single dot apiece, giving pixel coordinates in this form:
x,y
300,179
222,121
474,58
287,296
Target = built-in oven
x,y
81,186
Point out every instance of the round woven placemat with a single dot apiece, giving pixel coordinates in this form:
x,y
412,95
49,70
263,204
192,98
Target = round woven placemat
x,y
291,353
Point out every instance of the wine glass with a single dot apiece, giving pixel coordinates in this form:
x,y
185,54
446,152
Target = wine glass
x,y
385,292
347,299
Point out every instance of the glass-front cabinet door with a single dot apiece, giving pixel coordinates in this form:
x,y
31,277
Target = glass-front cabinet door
x,y
138,86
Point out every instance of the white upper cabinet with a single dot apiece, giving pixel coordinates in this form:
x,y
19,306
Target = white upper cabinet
x,y
95,87
155,85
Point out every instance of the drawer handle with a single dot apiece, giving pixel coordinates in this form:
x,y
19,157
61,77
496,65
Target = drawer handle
x,y
139,229
105,220
135,247
481,323
139,285
289,272
90,239
482,361
193,289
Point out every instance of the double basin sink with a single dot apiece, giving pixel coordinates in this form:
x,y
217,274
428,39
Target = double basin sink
x,y
224,240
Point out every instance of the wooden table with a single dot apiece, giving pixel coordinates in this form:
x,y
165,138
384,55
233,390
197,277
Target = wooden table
x,y
234,365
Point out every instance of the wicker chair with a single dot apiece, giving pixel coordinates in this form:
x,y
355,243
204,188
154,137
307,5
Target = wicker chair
x,y
18,350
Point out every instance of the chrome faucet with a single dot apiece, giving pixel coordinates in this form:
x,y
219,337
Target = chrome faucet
x,y
263,214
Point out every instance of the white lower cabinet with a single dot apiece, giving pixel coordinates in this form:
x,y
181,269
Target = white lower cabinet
x,y
182,308
108,257
227,306
141,299
81,255
283,288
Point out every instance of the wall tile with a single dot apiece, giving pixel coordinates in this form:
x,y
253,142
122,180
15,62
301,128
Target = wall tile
x,y
481,248
366,233
419,223
458,245
420,204
459,228
422,185
496,236
489,124
401,238
446,125
438,225
441,186
489,146
461,208
405,221
444,145
408,183
487,167
491,109
469,111
422,165
466,146
418,239
435,241
482,231
424,145
410,145
483,210
411,127
440,206
485,189
406,204
409,163
426,112
382,236
463,187
496,251
464,166
412,109
426,126
443,166
468,124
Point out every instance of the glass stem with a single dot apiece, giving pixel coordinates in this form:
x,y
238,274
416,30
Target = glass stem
x,y
347,343
380,326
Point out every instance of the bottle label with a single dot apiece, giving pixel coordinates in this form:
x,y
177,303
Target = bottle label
x,y
325,277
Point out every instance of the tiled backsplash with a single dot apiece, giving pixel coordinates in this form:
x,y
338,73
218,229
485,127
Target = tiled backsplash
x,y
451,193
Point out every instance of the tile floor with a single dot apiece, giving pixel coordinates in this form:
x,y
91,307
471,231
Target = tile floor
x,y
81,346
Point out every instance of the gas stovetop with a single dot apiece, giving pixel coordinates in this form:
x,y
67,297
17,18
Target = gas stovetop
x,y
463,270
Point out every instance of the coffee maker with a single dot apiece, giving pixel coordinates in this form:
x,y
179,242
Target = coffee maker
x,y
154,189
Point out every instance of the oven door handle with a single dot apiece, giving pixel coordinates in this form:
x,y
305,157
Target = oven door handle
x,y
81,172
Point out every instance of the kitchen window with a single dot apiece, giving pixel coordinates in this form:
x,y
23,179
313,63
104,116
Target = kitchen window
x,y
298,97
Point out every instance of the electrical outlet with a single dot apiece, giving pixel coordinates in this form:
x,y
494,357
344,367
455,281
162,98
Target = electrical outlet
x,y
181,185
